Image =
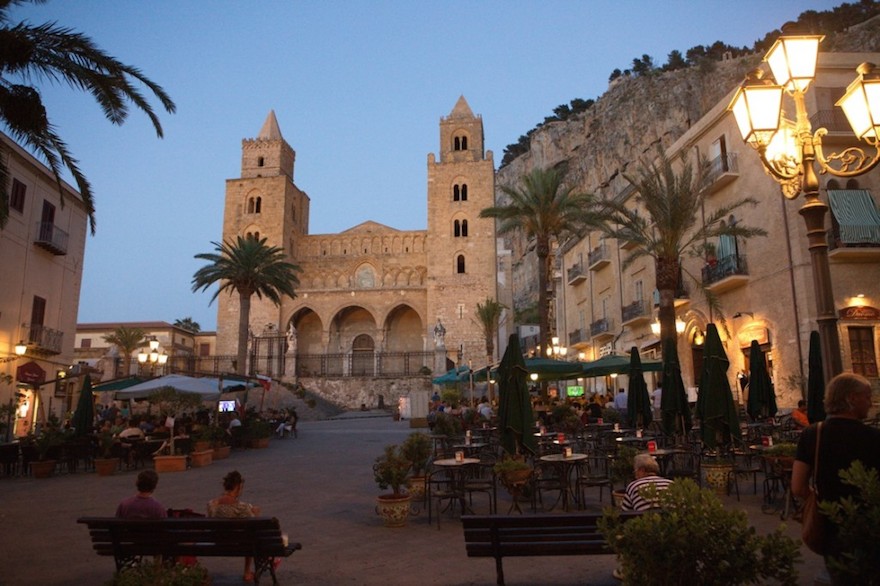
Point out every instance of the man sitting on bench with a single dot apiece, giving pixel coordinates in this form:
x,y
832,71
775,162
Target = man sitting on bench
x,y
142,505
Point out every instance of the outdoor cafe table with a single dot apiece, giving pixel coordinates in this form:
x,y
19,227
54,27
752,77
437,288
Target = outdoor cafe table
x,y
641,442
470,448
456,469
565,464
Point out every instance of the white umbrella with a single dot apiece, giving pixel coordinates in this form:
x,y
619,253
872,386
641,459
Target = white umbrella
x,y
205,387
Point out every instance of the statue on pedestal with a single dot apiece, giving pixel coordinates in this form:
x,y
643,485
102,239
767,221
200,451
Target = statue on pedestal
x,y
439,335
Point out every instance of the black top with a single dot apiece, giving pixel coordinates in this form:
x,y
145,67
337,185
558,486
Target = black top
x,y
842,442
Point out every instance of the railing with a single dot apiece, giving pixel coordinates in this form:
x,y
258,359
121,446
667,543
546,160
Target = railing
x,y
576,337
576,274
634,310
52,238
598,255
43,339
724,164
833,120
600,326
732,264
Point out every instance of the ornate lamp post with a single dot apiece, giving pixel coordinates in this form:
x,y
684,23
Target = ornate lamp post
x,y
790,151
153,356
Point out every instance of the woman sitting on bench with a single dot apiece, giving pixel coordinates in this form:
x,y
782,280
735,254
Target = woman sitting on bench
x,y
229,506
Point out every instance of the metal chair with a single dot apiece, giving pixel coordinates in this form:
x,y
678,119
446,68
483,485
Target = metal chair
x,y
684,464
744,464
481,479
594,472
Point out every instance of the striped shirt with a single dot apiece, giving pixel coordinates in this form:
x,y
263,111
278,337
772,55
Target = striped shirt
x,y
634,501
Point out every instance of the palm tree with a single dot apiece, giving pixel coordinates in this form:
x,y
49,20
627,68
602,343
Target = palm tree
x,y
247,266
127,340
488,317
672,226
55,53
543,208
188,324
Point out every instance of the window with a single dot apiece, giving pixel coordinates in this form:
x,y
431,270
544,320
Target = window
x,y
204,349
460,228
861,343
638,291
464,232
38,314
459,143
85,343
459,264
459,192
253,235
16,196
254,205
260,161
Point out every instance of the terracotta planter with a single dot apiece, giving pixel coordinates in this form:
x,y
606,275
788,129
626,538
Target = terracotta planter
x,y
222,452
201,446
169,463
394,510
106,466
42,468
259,443
716,474
617,497
201,458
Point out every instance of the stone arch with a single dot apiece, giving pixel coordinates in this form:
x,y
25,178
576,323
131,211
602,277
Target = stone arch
x,y
404,329
365,276
309,330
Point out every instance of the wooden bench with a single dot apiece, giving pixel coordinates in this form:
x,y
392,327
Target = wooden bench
x,y
500,536
127,540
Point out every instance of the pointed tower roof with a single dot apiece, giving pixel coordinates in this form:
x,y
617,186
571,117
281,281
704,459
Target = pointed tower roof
x,y
461,109
270,129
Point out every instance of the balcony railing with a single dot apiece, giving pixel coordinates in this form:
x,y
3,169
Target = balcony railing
x,y
600,327
599,257
722,170
43,340
733,265
833,120
636,311
576,274
576,337
52,238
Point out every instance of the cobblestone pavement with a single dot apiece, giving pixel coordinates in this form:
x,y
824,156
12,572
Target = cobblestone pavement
x,y
321,488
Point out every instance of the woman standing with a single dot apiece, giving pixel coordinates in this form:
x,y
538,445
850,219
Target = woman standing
x,y
229,506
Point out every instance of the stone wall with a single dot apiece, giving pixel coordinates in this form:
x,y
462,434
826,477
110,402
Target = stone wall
x,y
352,392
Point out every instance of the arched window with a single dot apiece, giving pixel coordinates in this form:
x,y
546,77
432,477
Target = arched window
x,y
456,144
464,192
260,161
253,235
464,228
459,264
250,205
456,193
259,205
464,143
852,184
456,228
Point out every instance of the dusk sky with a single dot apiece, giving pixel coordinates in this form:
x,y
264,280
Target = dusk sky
x,y
358,89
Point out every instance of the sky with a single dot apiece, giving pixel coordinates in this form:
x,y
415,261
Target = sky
x,y
358,89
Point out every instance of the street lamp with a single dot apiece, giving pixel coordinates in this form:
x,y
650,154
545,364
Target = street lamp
x,y
153,356
791,150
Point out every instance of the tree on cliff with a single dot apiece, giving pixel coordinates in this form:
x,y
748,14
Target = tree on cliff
x,y
543,208
247,267
55,53
667,222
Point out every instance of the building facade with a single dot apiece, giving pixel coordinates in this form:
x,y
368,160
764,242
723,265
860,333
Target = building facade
x,y
370,297
764,284
41,252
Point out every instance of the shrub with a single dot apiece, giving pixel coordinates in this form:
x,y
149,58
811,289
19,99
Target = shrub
x,y
161,575
693,539
391,469
417,449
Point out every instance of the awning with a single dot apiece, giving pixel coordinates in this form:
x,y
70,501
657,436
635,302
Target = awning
x,y
856,214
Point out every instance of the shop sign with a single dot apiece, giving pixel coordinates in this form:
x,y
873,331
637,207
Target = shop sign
x,y
30,373
860,312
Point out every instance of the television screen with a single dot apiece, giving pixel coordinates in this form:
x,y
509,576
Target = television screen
x,y
227,405
575,391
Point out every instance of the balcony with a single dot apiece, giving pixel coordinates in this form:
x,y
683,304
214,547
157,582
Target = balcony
x,y
576,274
51,238
601,328
726,273
43,340
636,313
577,337
599,257
722,170
833,120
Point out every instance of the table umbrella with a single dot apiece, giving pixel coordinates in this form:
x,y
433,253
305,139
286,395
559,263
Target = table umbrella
x,y
674,409
616,364
815,381
84,416
514,408
451,376
638,404
719,421
762,397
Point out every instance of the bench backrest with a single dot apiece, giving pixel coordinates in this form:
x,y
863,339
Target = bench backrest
x,y
534,535
255,536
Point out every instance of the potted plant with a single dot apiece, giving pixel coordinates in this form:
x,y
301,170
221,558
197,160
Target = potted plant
x,y
46,445
257,432
390,470
447,425
105,463
716,467
622,472
417,449
172,402
218,438
695,539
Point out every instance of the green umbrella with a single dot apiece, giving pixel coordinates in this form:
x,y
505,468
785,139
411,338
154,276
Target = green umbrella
x,y
719,421
549,369
674,409
815,381
638,403
514,408
451,376
615,364
84,416
762,397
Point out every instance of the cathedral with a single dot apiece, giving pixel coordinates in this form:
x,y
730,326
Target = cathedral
x,y
372,301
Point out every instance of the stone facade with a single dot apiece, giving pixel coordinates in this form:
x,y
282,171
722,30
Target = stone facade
x,y
370,289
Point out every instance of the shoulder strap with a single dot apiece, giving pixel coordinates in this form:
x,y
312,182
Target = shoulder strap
x,y
816,457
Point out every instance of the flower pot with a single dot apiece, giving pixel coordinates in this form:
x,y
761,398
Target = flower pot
x,y
42,468
106,466
716,474
617,497
415,487
169,463
259,443
201,458
201,446
394,509
222,452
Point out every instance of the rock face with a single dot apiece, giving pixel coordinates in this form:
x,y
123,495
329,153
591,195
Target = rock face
x,y
626,123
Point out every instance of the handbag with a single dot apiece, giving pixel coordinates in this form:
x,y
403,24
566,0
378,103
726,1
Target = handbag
x,y
814,532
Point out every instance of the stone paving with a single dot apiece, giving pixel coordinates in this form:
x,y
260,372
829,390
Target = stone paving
x,y
320,486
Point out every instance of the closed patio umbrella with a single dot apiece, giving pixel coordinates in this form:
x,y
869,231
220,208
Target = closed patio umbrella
x,y
815,381
762,397
719,421
84,415
514,408
616,364
638,405
674,409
